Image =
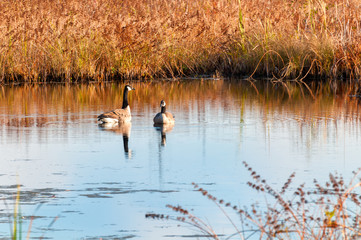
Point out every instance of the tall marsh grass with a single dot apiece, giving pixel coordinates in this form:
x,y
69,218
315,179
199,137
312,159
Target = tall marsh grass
x,y
73,40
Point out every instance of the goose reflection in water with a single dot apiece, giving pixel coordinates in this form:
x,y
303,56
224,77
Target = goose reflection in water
x,y
120,128
163,129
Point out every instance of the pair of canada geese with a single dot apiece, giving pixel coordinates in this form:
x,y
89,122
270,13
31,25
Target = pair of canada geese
x,y
123,115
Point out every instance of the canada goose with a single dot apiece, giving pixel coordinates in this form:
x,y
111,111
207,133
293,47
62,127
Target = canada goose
x,y
118,115
163,117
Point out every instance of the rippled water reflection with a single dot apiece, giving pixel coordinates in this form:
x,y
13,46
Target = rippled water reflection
x,y
100,180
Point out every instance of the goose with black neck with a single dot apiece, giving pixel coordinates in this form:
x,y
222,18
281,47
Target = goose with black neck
x,y
121,115
163,117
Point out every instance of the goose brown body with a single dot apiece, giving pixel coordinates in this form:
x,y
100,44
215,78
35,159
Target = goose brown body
x,y
117,115
163,117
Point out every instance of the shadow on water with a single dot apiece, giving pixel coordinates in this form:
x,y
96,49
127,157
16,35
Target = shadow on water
x,y
124,129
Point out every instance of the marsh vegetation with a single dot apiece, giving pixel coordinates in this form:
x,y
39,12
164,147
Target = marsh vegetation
x,y
77,40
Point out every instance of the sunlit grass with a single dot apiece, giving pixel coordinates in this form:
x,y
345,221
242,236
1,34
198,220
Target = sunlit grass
x,y
77,40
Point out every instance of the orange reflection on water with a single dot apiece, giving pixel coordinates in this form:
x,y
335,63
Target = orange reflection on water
x,y
39,105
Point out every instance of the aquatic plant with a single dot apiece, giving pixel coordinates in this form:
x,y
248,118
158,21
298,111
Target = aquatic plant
x,y
78,40
16,220
327,211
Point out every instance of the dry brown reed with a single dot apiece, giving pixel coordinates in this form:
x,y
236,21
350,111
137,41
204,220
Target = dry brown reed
x,y
326,211
72,40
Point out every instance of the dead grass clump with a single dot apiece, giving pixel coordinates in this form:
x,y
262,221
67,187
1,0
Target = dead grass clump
x,y
327,211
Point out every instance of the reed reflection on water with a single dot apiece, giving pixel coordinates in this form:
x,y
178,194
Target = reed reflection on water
x,y
51,140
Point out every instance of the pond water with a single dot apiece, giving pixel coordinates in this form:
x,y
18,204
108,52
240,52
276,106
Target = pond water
x,y
97,182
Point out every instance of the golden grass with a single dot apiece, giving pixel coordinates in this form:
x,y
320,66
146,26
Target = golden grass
x,y
143,39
